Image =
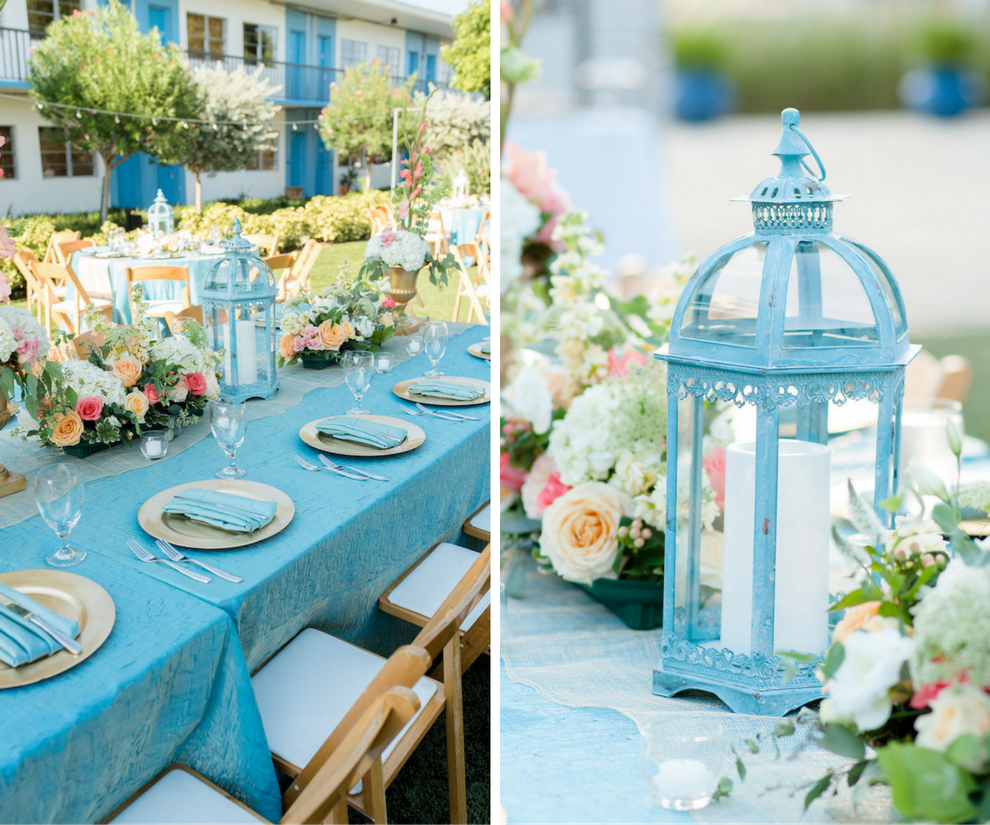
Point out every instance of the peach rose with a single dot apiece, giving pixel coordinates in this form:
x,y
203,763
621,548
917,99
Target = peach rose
x,y
137,403
68,429
865,616
285,348
332,335
580,531
128,370
349,330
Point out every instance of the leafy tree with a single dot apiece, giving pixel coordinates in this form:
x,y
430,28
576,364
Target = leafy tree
x,y
454,121
357,123
235,102
470,53
99,60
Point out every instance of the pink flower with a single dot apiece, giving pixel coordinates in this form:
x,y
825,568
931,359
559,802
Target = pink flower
x,y
618,367
3,140
310,331
415,192
28,350
529,174
511,477
6,244
315,343
418,173
388,302
926,694
357,93
553,490
18,331
195,383
89,409
4,289
388,237
152,394
714,464
422,126
505,11
299,343
403,209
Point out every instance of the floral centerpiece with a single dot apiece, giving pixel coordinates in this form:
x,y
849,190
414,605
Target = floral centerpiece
x,y
346,316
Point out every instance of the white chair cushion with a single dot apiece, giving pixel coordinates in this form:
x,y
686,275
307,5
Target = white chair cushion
x,y
163,306
70,306
433,580
482,520
179,797
310,685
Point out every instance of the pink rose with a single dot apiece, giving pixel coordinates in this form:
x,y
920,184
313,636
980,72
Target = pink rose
x,y
18,331
388,302
195,383
315,343
152,394
28,350
299,343
89,409
619,367
714,465
553,490
387,237
509,476
6,244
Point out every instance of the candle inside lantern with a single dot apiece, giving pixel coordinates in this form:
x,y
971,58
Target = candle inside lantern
x,y
800,584
682,781
247,364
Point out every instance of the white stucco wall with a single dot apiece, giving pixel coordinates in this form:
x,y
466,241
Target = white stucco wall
x,y
236,13
259,183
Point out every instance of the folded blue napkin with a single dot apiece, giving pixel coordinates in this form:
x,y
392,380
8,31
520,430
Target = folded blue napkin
x,y
369,433
234,513
22,642
486,347
448,389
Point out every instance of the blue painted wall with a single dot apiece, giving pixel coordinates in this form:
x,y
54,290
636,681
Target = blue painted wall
x,y
310,41
308,162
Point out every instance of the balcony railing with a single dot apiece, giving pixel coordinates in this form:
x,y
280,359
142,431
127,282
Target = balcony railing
x,y
301,84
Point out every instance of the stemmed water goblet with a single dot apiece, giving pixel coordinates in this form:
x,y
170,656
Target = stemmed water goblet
x,y
59,492
359,369
435,341
229,425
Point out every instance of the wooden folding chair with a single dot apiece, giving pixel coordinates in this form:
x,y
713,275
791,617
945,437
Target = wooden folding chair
x,y
322,670
80,345
64,310
195,313
436,234
181,795
278,264
479,524
381,218
267,244
161,307
36,297
475,293
297,279
64,251
62,236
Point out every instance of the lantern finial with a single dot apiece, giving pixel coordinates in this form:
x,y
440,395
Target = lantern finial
x,y
792,143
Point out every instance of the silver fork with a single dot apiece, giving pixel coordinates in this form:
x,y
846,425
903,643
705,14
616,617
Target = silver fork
x,y
408,411
332,466
307,466
144,555
175,555
463,417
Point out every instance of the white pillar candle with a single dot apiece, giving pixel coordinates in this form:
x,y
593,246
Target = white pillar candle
x,y
800,584
247,365
684,779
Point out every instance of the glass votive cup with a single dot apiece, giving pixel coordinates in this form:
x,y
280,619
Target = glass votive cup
x,y
154,444
414,345
384,361
924,435
682,768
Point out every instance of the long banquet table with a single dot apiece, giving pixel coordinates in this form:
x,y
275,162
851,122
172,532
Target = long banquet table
x,y
171,684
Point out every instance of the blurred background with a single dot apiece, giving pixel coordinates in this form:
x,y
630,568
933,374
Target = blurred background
x,y
656,114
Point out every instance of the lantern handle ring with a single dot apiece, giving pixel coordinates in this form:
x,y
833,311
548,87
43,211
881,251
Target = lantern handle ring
x,y
818,160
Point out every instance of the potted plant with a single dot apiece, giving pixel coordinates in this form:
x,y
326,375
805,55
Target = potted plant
x,y
702,89
944,86
348,180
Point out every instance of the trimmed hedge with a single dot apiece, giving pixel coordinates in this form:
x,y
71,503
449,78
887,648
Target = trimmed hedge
x,y
324,218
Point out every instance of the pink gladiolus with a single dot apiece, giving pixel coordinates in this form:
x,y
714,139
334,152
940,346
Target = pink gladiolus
x,y
528,172
553,490
415,192
6,244
511,477
388,302
422,126
714,465
403,208
505,11
419,171
90,409
618,367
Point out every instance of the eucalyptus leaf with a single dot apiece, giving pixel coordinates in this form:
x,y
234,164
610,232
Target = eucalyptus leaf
x,y
818,790
863,515
841,740
785,727
833,659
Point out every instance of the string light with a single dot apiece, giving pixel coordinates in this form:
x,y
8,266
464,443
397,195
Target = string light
x,y
294,127
154,121
78,113
116,118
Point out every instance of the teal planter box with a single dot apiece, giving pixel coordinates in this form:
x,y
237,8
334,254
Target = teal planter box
x,y
638,604
82,450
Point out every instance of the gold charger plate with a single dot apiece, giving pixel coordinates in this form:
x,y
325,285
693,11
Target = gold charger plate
x,y
475,350
188,533
402,390
69,595
321,441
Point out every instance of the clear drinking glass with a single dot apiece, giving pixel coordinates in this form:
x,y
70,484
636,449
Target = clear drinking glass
x,y
384,361
435,341
229,425
215,235
359,369
59,491
414,345
682,767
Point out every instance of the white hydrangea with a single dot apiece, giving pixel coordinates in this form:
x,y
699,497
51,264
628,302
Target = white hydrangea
x,y
293,323
7,343
19,317
89,381
407,250
518,220
180,351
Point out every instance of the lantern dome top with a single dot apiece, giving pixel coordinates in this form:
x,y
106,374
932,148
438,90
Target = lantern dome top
x,y
792,294
239,274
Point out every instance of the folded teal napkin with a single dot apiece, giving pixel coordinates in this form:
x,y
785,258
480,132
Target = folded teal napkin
x,y
370,433
234,513
448,389
486,347
22,642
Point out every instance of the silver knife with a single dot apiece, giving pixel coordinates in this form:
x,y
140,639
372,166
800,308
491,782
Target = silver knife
x,y
427,411
69,644
451,413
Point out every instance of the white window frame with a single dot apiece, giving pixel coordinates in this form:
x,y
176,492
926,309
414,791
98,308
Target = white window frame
x,y
345,62
206,53
69,172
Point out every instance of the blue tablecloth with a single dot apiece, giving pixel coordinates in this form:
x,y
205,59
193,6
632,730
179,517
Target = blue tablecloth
x,y
464,224
348,542
107,278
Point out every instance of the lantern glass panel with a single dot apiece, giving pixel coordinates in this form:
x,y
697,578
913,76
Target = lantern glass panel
x,y
827,305
886,280
725,303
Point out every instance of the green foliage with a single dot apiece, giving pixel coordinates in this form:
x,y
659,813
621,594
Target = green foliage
x,y
925,784
34,234
476,160
643,563
470,53
699,48
454,122
100,60
946,44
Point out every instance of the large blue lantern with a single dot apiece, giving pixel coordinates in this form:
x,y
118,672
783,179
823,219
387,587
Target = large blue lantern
x,y
773,331
238,300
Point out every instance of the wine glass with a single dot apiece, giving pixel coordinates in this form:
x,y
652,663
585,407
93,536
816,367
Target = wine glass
x,y
229,425
359,369
414,345
384,361
59,491
435,341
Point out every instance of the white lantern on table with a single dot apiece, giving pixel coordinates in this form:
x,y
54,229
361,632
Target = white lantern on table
x,y
461,186
161,218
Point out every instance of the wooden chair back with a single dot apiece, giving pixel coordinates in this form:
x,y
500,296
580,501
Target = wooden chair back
x,y
64,251
52,275
465,288
158,273
324,797
82,344
436,233
35,292
276,263
266,242
381,218
63,236
298,277
403,669
196,313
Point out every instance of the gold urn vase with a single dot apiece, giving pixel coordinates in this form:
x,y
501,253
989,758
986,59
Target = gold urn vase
x,y
9,482
403,283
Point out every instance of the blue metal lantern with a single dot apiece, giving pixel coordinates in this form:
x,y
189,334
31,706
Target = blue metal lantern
x,y
238,300
161,218
772,331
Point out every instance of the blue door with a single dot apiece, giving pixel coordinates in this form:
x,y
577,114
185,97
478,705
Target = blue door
x,y
323,184
296,74
324,57
171,180
159,17
297,160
